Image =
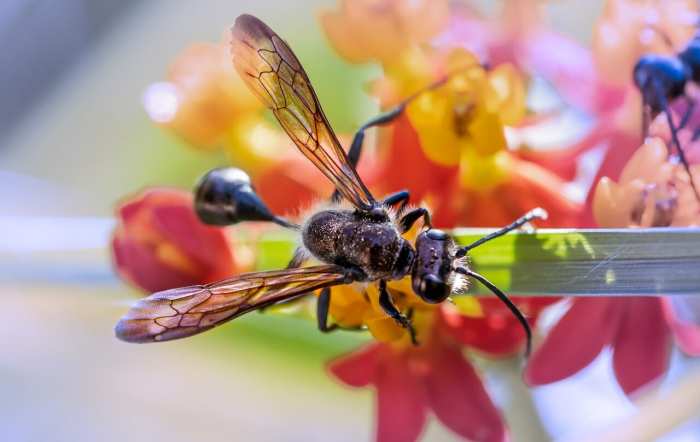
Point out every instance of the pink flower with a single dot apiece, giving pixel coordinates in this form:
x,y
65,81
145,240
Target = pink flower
x,y
651,192
159,243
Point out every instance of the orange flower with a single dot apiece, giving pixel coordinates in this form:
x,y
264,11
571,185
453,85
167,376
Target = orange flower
x,y
628,29
367,30
651,192
202,95
204,101
159,243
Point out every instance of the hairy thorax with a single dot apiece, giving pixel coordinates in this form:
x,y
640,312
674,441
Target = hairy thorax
x,y
352,239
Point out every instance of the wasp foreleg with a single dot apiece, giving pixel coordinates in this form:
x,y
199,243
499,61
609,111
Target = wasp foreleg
x,y
390,309
401,197
411,217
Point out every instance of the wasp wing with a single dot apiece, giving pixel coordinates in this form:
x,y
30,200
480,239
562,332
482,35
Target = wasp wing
x,y
181,312
275,75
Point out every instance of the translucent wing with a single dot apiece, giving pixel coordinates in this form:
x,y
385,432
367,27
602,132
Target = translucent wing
x,y
182,312
274,73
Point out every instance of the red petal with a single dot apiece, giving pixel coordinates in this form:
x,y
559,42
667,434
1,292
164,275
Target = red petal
x,y
156,196
459,400
404,154
357,369
497,334
138,264
574,341
687,334
401,402
641,347
206,245
292,184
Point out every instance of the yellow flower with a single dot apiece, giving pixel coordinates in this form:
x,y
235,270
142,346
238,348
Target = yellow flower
x,y
462,122
366,30
357,305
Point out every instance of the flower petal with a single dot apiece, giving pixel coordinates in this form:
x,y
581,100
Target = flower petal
x,y
401,401
686,333
138,264
404,153
357,369
206,244
496,334
574,341
641,348
458,398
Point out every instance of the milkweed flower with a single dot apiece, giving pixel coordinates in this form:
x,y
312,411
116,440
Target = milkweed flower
x,y
460,129
413,381
380,30
204,101
651,192
159,243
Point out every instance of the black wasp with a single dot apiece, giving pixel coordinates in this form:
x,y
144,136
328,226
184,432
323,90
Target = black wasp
x,y
662,79
362,243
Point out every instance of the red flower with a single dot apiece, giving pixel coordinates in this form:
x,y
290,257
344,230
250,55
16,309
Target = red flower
x,y
633,327
529,185
159,243
407,167
496,331
651,192
291,185
411,381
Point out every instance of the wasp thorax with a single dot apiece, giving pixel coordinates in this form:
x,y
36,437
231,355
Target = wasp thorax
x,y
433,266
225,196
355,240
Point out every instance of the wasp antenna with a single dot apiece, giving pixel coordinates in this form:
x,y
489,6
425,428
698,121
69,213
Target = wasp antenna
x,y
225,196
506,300
536,213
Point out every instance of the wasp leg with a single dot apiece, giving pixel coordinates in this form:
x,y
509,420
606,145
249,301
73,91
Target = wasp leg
x,y
390,309
322,306
356,147
401,197
411,217
297,260
300,255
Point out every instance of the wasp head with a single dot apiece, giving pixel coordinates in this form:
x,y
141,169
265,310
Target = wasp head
x,y
432,269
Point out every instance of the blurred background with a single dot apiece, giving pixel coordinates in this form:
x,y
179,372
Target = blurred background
x,y
74,138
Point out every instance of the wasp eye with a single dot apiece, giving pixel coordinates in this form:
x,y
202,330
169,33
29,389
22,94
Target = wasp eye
x,y
433,289
225,196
